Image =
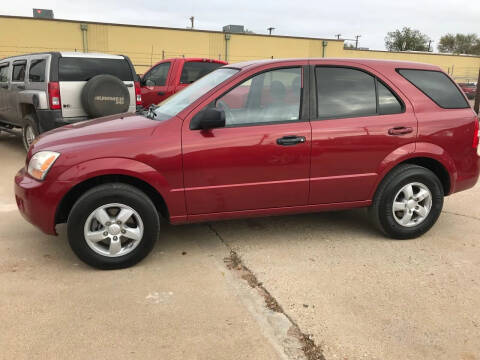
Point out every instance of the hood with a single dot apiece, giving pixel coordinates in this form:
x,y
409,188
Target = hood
x,y
100,132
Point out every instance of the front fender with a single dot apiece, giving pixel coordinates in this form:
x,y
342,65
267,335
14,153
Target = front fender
x,y
174,198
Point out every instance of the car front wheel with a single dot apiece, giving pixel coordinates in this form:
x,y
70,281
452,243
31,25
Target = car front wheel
x,y
113,226
408,202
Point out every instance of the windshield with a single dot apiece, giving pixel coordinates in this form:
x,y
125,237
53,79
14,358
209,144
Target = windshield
x,y
176,103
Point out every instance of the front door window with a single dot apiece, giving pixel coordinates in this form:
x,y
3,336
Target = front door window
x,y
272,96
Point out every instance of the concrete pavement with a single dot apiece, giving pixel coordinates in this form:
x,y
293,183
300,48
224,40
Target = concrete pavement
x,y
170,306
360,295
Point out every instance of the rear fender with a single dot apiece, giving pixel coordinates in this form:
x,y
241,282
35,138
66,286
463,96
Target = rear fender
x,y
412,151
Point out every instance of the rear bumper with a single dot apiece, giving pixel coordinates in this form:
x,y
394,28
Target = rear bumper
x,y
468,177
38,200
51,119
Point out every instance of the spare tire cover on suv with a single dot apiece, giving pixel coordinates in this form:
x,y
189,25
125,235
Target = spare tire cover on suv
x,y
105,95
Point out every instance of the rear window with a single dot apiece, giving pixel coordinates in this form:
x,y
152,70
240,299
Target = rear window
x,y
387,102
344,92
83,69
19,72
4,73
192,71
37,71
437,86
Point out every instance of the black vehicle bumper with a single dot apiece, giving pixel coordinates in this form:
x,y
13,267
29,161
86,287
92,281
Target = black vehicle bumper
x,y
51,119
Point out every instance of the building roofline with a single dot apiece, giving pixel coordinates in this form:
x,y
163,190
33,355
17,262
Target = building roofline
x,y
164,28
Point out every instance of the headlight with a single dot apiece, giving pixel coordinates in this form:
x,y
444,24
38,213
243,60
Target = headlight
x,y
40,163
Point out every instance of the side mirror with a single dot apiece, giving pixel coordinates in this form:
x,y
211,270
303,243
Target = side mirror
x,y
148,82
142,82
209,118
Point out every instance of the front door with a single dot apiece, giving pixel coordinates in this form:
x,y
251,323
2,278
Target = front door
x,y
358,122
261,158
155,87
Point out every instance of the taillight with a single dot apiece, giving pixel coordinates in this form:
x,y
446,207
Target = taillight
x,y
54,96
138,93
475,134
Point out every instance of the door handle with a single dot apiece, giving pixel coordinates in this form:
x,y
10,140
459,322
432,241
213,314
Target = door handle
x,y
400,130
21,87
291,140
161,93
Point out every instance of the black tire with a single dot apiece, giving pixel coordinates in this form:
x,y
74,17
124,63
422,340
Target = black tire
x,y
105,95
30,123
102,195
381,211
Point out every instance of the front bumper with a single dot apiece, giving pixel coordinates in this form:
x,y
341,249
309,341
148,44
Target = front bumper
x,y
39,200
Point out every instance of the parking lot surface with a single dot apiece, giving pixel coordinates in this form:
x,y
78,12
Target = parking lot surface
x,y
359,295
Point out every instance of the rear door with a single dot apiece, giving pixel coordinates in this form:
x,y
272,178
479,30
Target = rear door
x,y
17,85
37,75
75,71
156,84
4,77
360,118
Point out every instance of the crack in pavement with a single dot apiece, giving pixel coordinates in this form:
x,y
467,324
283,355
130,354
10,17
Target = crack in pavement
x,y
458,214
310,350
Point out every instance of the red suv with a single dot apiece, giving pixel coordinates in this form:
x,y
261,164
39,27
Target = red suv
x,y
252,139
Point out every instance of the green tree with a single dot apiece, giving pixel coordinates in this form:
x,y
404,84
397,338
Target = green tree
x,y
407,39
460,44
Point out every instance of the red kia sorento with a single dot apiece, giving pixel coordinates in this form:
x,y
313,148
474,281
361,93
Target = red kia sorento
x,y
252,139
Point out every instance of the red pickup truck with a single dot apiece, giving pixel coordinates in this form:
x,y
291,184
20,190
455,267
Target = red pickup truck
x,y
171,75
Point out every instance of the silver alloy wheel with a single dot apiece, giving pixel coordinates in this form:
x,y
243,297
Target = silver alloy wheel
x,y
29,135
412,204
113,230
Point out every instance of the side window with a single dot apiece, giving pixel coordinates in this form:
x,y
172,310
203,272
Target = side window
x,y
344,92
4,73
194,70
158,75
272,96
19,72
437,86
37,71
387,102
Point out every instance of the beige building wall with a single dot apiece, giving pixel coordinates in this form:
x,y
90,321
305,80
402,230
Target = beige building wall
x,y
148,45
463,68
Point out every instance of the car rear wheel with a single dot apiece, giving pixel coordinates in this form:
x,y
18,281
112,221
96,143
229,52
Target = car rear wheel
x,y
113,226
408,202
29,131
